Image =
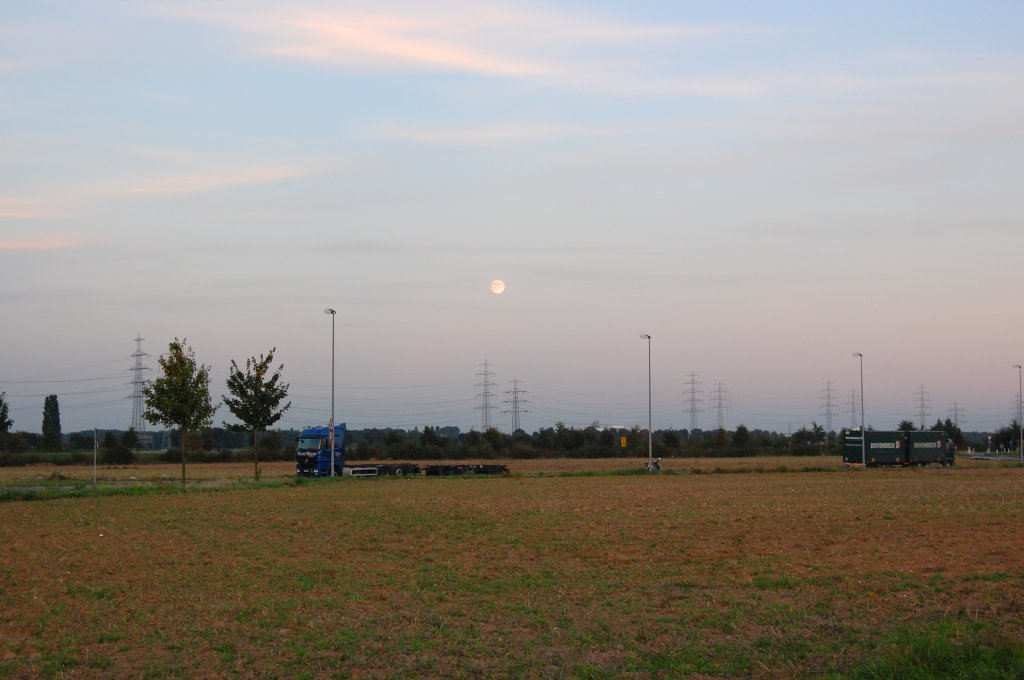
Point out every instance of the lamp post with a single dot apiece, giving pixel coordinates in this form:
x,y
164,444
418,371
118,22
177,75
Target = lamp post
x,y
863,433
1020,425
333,314
650,428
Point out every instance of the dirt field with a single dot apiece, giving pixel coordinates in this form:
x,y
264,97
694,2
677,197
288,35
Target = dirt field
x,y
702,575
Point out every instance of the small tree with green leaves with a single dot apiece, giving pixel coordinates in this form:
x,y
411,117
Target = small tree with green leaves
x,y
130,439
5,415
256,398
741,437
51,424
181,396
116,452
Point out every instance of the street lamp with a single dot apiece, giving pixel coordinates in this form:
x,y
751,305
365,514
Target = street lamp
x,y
1020,425
863,433
330,311
650,429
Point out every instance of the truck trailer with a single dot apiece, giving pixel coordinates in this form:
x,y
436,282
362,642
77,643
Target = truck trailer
x,y
313,459
898,448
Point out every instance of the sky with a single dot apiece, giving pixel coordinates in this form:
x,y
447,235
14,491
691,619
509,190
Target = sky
x,y
764,188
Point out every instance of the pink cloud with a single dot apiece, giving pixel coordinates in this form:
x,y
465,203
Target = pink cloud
x,y
49,243
11,209
190,183
396,40
186,184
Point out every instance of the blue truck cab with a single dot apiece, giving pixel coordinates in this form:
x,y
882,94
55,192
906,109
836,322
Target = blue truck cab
x,y
313,451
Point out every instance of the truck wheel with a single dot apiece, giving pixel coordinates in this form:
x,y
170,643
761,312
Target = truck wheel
x,y
399,472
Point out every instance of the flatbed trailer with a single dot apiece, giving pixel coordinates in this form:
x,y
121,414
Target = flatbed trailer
x,y
440,470
447,470
380,470
313,459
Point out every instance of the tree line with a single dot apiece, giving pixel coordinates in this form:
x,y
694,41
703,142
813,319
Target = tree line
x,y
179,398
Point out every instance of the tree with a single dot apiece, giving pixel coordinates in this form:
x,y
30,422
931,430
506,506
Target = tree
x,y
18,442
256,399
130,439
820,436
804,441
81,441
431,437
493,437
5,415
818,431
1006,436
952,431
906,426
741,437
181,396
51,424
116,452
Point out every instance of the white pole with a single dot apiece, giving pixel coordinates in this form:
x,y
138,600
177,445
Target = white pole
x,y
650,428
863,433
331,435
1020,425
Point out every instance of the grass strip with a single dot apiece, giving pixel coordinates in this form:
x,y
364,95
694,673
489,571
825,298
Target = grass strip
x,y
950,650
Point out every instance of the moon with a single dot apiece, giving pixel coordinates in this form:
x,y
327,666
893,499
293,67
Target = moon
x,y
497,286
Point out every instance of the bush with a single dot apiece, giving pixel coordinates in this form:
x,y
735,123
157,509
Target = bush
x,y
118,454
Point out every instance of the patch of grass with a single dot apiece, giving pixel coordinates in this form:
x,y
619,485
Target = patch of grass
x,y
774,582
992,577
953,651
79,489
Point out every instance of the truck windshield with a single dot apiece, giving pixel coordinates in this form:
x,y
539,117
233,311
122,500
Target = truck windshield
x,y
312,444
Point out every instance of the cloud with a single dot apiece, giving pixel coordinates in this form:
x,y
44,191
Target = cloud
x,y
483,39
508,133
20,209
393,42
187,183
49,243
581,50
176,173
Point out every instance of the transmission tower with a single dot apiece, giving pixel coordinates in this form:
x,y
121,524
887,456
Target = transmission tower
x,y
852,404
485,396
957,411
922,405
829,398
691,393
138,423
720,402
517,404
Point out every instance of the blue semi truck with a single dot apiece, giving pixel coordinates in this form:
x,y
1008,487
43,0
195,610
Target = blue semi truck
x,y
313,459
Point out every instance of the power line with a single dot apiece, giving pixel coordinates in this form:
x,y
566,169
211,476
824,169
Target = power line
x,y
49,382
